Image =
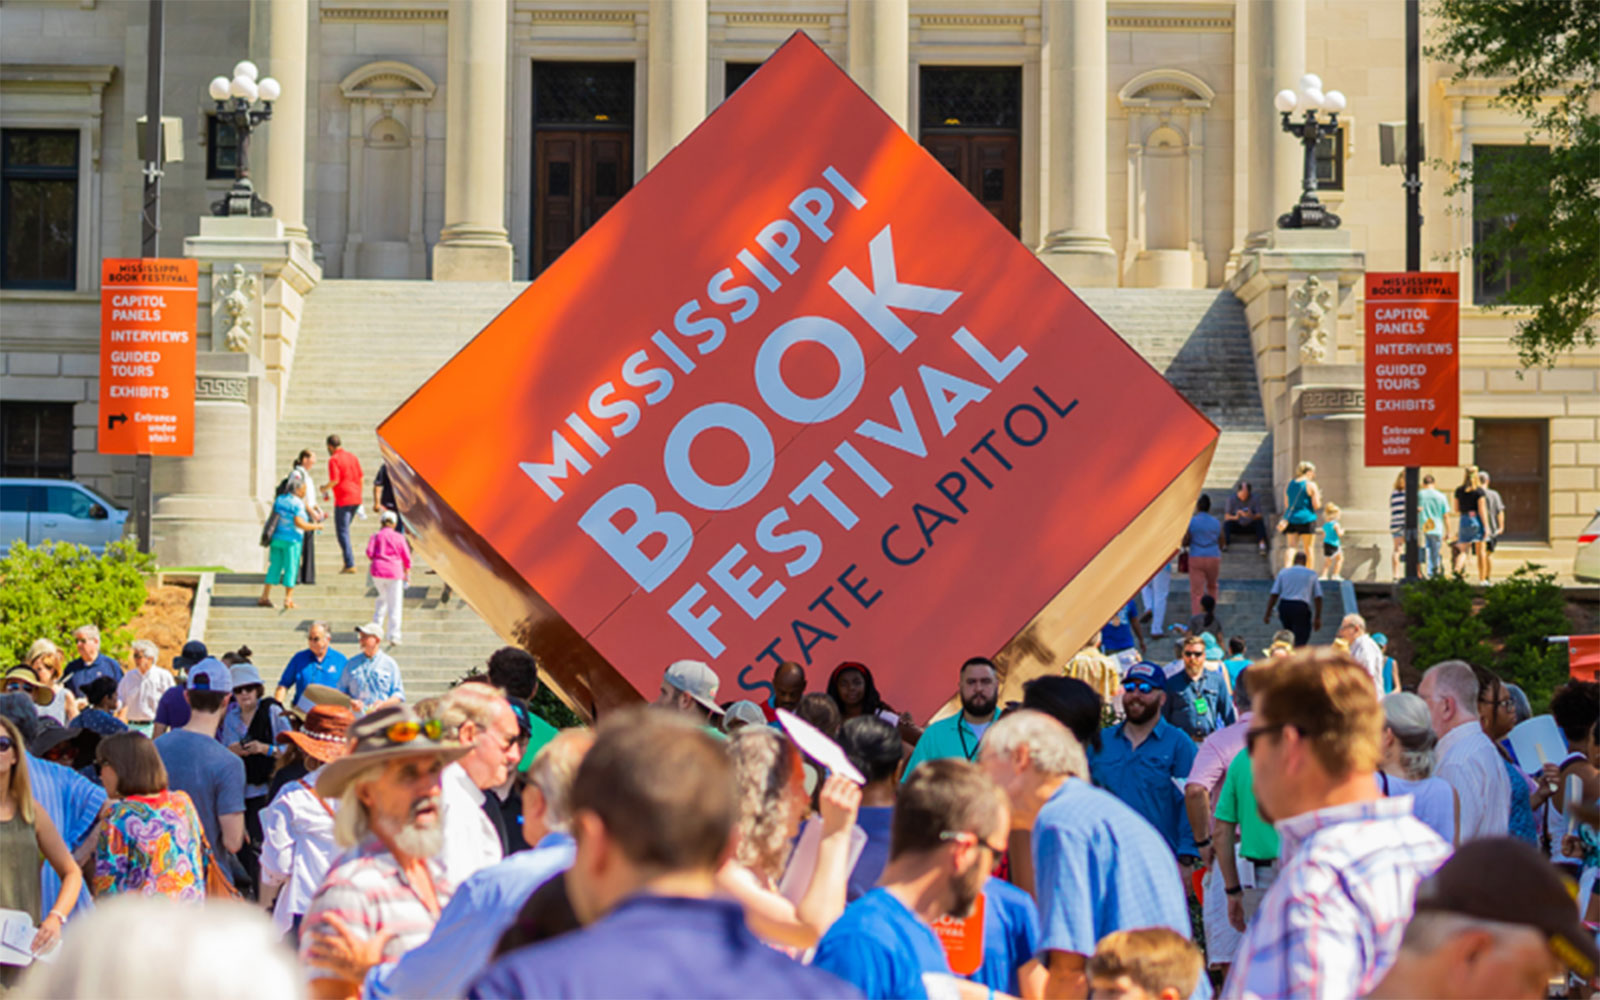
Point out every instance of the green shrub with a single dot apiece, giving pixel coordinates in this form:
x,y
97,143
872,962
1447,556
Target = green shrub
x,y
47,591
553,710
1442,625
1521,611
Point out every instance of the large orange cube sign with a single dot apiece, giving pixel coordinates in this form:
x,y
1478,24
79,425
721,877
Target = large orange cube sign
x,y
797,397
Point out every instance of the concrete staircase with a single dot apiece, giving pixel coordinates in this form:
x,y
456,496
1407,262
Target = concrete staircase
x,y
364,347
1240,603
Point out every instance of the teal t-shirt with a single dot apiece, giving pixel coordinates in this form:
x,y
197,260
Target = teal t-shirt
x,y
1432,505
949,737
1330,533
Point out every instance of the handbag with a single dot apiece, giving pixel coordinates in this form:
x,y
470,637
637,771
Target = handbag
x,y
1283,524
269,528
218,884
1183,561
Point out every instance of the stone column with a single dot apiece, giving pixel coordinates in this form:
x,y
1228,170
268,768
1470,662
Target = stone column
x,y
1277,61
286,134
473,245
677,74
878,53
1076,246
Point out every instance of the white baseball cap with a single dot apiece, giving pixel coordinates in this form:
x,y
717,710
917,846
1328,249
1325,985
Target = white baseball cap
x,y
696,680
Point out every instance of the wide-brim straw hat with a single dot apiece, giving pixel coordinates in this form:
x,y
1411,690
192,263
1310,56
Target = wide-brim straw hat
x,y
42,693
325,735
321,694
379,737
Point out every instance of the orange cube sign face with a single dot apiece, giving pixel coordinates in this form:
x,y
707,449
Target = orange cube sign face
x,y
796,397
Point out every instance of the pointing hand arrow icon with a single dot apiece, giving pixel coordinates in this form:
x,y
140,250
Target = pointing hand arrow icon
x,y
1440,432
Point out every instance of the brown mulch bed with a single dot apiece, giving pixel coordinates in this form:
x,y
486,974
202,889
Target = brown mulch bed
x,y
164,619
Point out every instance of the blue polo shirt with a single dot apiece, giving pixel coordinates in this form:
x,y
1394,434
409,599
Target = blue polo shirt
x,y
1199,706
1010,936
304,669
657,946
882,949
77,675
876,822
1143,778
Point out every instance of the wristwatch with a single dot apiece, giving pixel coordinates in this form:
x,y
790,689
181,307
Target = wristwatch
x,y
1235,891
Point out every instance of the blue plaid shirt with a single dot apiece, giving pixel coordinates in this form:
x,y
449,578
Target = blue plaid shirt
x,y
1330,925
1100,867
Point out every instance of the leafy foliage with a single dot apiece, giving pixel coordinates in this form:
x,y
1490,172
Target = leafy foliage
x,y
1521,611
552,710
1546,61
49,590
1518,614
1442,625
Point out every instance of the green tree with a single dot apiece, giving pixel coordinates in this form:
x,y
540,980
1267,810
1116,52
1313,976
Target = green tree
x,y
49,590
1522,611
1545,56
1442,625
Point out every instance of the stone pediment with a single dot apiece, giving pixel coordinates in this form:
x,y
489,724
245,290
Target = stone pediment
x,y
387,80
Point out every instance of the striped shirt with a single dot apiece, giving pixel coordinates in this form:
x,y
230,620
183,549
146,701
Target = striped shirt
x,y
368,891
1397,512
1330,925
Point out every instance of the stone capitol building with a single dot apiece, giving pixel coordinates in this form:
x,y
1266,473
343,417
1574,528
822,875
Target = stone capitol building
x,y
427,159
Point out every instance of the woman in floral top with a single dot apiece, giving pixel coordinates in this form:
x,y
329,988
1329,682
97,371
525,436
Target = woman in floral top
x,y
152,842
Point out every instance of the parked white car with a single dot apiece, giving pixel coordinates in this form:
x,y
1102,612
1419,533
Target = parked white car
x,y
1586,563
57,510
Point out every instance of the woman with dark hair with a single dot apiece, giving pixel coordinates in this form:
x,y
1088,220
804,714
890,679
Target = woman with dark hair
x,y
308,551
1070,702
1576,709
1497,714
152,842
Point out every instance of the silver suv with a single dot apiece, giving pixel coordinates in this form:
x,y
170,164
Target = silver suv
x,y
57,510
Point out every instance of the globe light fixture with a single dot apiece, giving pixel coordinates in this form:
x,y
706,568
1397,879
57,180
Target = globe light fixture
x,y
236,96
1319,111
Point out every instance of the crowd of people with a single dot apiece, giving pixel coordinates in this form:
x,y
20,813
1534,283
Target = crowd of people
x,y
1293,825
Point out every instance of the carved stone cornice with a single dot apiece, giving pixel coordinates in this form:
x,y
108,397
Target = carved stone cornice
x,y
1148,22
385,13
221,389
541,16
1318,401
960,22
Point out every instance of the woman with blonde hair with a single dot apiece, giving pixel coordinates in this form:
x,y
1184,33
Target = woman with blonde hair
x,y
772,807
152,842
1409,758
27,835
1301,501
47,661
1472,508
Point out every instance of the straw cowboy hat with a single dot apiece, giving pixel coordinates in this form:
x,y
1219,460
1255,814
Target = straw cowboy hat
x,y
380,736
325,735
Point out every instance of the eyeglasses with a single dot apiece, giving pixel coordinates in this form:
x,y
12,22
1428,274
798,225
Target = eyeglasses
x,y
1194,652
979,841
1142,687
1504,703
405,732
1251,735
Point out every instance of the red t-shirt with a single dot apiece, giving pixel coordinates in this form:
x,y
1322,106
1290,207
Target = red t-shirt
x,y
344,471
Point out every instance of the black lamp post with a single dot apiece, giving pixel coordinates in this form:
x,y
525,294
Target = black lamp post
x,y
1309,213
234,98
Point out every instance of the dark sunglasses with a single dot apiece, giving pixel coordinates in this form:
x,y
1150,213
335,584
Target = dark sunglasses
x,y
1143,687
979,841
1251,735
7,743
1194,652
17,686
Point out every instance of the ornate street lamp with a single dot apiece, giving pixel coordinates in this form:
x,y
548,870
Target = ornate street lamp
x,y
1309,213
234,98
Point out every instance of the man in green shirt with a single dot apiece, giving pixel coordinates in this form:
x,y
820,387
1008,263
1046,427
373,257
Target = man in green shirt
x,y
960,734
1239,820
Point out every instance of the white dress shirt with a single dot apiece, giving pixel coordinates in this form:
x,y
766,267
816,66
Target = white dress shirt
x,y
141,690
470,840
1472,766
1366,652
297,847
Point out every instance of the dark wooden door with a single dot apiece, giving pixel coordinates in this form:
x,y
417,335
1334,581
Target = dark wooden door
x,y
989,165
578,175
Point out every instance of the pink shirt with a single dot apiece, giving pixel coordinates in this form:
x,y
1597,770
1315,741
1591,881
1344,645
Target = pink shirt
x,y
1216,753
391,555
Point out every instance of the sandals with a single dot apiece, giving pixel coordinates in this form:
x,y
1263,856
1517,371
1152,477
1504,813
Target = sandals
x,y
264,602
287,604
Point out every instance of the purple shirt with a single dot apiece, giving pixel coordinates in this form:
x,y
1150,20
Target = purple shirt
x,y
390,554
1216,753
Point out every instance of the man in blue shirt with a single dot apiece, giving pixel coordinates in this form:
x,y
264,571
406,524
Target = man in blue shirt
x,y
318,663
371,677
950,826
978,686
1295,591
1098,866
91,663
653,806
1198,700
487,903
1144,759
1010,939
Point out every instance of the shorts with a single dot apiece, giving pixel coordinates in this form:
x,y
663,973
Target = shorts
x,y
1309,528
1470,530
1490,544
1329,550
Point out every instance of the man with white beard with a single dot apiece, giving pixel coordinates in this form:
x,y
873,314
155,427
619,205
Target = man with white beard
x,y
387,893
